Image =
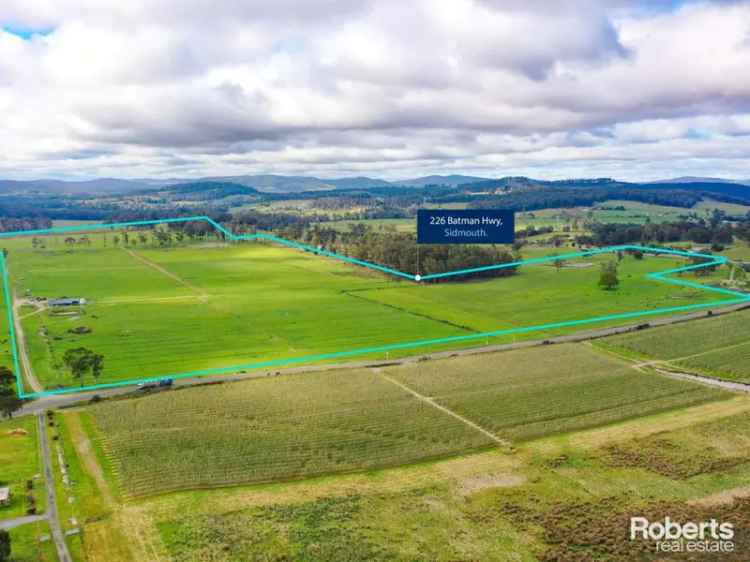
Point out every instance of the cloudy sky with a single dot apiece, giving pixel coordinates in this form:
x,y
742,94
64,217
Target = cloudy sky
x,y
388,88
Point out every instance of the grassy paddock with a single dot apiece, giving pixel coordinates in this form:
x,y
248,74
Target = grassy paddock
x,y
19,463
158,312
26,544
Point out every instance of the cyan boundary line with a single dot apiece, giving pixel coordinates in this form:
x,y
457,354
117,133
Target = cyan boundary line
x,y
658,276
11,328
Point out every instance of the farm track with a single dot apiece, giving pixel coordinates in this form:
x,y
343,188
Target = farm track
x,y
86,453
708,381
156,267
103,535
21,344
448,411
667,365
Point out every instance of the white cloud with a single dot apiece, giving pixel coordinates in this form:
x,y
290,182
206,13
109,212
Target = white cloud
x,y
178,87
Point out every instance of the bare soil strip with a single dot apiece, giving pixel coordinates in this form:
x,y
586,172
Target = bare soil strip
x,y
431,402
85,452
155,266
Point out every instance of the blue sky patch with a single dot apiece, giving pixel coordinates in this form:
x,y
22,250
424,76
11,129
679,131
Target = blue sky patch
x,y
26,33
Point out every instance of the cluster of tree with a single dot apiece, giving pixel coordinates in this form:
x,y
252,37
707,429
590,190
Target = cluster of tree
x,y
584,197
714,232
608,279
742,230
5,547
208,190
9,401
532,230
400,251
81,361
250,221
55,207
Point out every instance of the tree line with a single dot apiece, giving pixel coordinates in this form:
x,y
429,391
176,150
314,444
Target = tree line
x,y
714,232
400,251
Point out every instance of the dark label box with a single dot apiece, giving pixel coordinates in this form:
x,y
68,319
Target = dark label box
x,y
444,226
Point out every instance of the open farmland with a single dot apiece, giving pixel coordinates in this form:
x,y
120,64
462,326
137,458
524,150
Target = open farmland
x,y
157,312
540,294
714,346
275,428
293,426
528,393
166,311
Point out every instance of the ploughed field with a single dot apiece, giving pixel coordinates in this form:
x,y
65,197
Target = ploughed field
x,y
165,311
718,347
299,425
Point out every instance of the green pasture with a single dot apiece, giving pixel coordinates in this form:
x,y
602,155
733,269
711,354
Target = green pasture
x,y
19,463
232,305
540,294
27,546
156,312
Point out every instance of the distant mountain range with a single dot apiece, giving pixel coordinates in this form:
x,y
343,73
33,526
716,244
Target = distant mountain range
x,y
297,184
697,179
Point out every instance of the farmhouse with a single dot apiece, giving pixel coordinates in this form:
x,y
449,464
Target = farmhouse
x,y
4,497
66,302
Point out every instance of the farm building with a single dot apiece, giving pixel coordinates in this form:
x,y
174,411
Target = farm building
x,y
66,302
4,496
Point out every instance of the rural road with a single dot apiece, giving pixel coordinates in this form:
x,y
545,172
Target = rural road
x,y
18,521
63,554
21,344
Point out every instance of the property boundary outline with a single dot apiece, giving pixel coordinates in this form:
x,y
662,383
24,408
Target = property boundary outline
x,y
662,276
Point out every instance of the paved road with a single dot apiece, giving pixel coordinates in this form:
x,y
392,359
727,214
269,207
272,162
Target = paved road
x,y
54,522
60,401
18,521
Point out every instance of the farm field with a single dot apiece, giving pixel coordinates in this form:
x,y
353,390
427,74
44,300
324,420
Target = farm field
x,y
160,312
27,547
739,251
19,463
715,346
528,393
293,426
276,428
540,294
734,209
216,307
485,506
